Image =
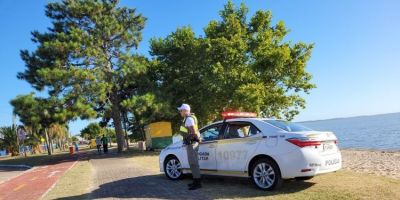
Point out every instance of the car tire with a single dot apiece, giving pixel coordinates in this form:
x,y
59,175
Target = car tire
x,y
304,178
266,174
172,168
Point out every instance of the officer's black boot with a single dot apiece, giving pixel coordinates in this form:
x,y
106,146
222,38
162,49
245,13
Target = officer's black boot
x,y
191,184
196,184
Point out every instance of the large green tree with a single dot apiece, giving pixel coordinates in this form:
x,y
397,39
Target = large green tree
x,y
239,64
86,57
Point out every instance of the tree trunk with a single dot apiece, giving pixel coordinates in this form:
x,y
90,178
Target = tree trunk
x,y
116,116
47,142
51,146
60,144
126,132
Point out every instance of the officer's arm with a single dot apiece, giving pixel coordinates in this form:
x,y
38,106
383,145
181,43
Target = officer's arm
x,y
191,130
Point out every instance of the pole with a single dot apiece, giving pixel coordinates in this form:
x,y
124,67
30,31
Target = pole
x,y
16,131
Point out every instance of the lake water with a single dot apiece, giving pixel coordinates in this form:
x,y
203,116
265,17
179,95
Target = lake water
x,y
366,132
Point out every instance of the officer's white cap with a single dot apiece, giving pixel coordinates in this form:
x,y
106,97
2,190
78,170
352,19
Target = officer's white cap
x,y
184,107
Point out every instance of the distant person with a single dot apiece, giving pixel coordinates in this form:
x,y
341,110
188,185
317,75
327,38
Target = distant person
x,y
104,139
76,146
98,144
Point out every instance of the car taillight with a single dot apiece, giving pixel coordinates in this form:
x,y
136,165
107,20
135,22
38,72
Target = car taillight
x,y
300,142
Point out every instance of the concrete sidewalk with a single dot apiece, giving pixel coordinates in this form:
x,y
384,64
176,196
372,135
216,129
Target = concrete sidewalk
x,y
7,173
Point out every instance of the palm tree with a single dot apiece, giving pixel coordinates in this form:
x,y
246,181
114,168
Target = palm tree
x,y
8,140
33,139
59,134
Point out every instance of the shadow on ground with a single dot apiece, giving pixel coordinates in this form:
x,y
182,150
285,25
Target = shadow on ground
x,y
158,186
42,159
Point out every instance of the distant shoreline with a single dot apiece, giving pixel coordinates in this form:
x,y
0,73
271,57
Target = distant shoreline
x,y
340,118
371,149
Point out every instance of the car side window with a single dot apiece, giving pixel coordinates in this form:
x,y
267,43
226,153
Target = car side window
x,y
240,130
210,133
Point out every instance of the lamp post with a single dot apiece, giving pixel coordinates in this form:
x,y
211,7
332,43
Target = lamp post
x,y
16,131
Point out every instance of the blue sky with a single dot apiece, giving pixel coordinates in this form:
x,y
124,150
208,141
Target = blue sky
x,y
355,62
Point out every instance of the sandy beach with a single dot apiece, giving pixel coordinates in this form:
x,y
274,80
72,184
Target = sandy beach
x,y
383,163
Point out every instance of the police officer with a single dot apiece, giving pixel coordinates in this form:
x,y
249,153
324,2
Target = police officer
x,y
191,138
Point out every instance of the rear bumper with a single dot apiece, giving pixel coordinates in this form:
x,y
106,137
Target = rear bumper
x,y
307,162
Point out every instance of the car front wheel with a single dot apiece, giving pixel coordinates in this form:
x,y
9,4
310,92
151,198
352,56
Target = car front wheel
x,y
172,168
266,174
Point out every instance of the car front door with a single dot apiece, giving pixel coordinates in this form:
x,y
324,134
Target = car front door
x,y
207,148
239,141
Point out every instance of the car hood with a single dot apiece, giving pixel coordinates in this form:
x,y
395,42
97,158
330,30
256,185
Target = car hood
x,y
175,145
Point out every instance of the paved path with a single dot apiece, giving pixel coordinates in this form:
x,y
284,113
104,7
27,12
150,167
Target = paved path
x,y
35,183
9,172
116,177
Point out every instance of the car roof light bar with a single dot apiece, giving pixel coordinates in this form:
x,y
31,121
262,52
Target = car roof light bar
x,y
231,115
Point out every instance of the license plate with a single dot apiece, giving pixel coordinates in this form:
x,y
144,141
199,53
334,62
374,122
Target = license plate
x,y
328,147
332,162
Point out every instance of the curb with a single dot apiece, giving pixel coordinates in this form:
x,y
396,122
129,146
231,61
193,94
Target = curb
x,y
16,166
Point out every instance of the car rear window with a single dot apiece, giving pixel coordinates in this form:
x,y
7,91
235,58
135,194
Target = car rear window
x,y
288,126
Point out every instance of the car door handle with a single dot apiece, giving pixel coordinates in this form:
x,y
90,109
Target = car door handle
x,y
211,146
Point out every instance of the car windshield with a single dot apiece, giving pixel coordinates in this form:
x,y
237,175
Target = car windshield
x,y
288,126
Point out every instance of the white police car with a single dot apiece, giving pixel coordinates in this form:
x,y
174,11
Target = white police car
x,y
267,150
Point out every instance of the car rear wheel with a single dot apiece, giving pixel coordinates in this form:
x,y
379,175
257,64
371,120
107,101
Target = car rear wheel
x,y
266,175
172,168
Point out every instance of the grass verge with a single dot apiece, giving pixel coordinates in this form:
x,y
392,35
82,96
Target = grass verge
x,y
344,184
34,160
38,159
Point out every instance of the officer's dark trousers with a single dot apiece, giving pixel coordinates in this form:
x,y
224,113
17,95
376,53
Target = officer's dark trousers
x,y
193,159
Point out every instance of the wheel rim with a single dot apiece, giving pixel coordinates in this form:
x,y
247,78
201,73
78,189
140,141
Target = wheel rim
x,y
173,168
264,175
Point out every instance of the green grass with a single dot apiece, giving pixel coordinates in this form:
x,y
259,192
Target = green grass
x,y
34,160
340,185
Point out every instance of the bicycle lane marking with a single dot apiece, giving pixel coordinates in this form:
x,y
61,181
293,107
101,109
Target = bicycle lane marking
x,y
36,183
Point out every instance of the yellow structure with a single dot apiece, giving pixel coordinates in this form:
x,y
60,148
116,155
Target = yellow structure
x,y
93,143
158,135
